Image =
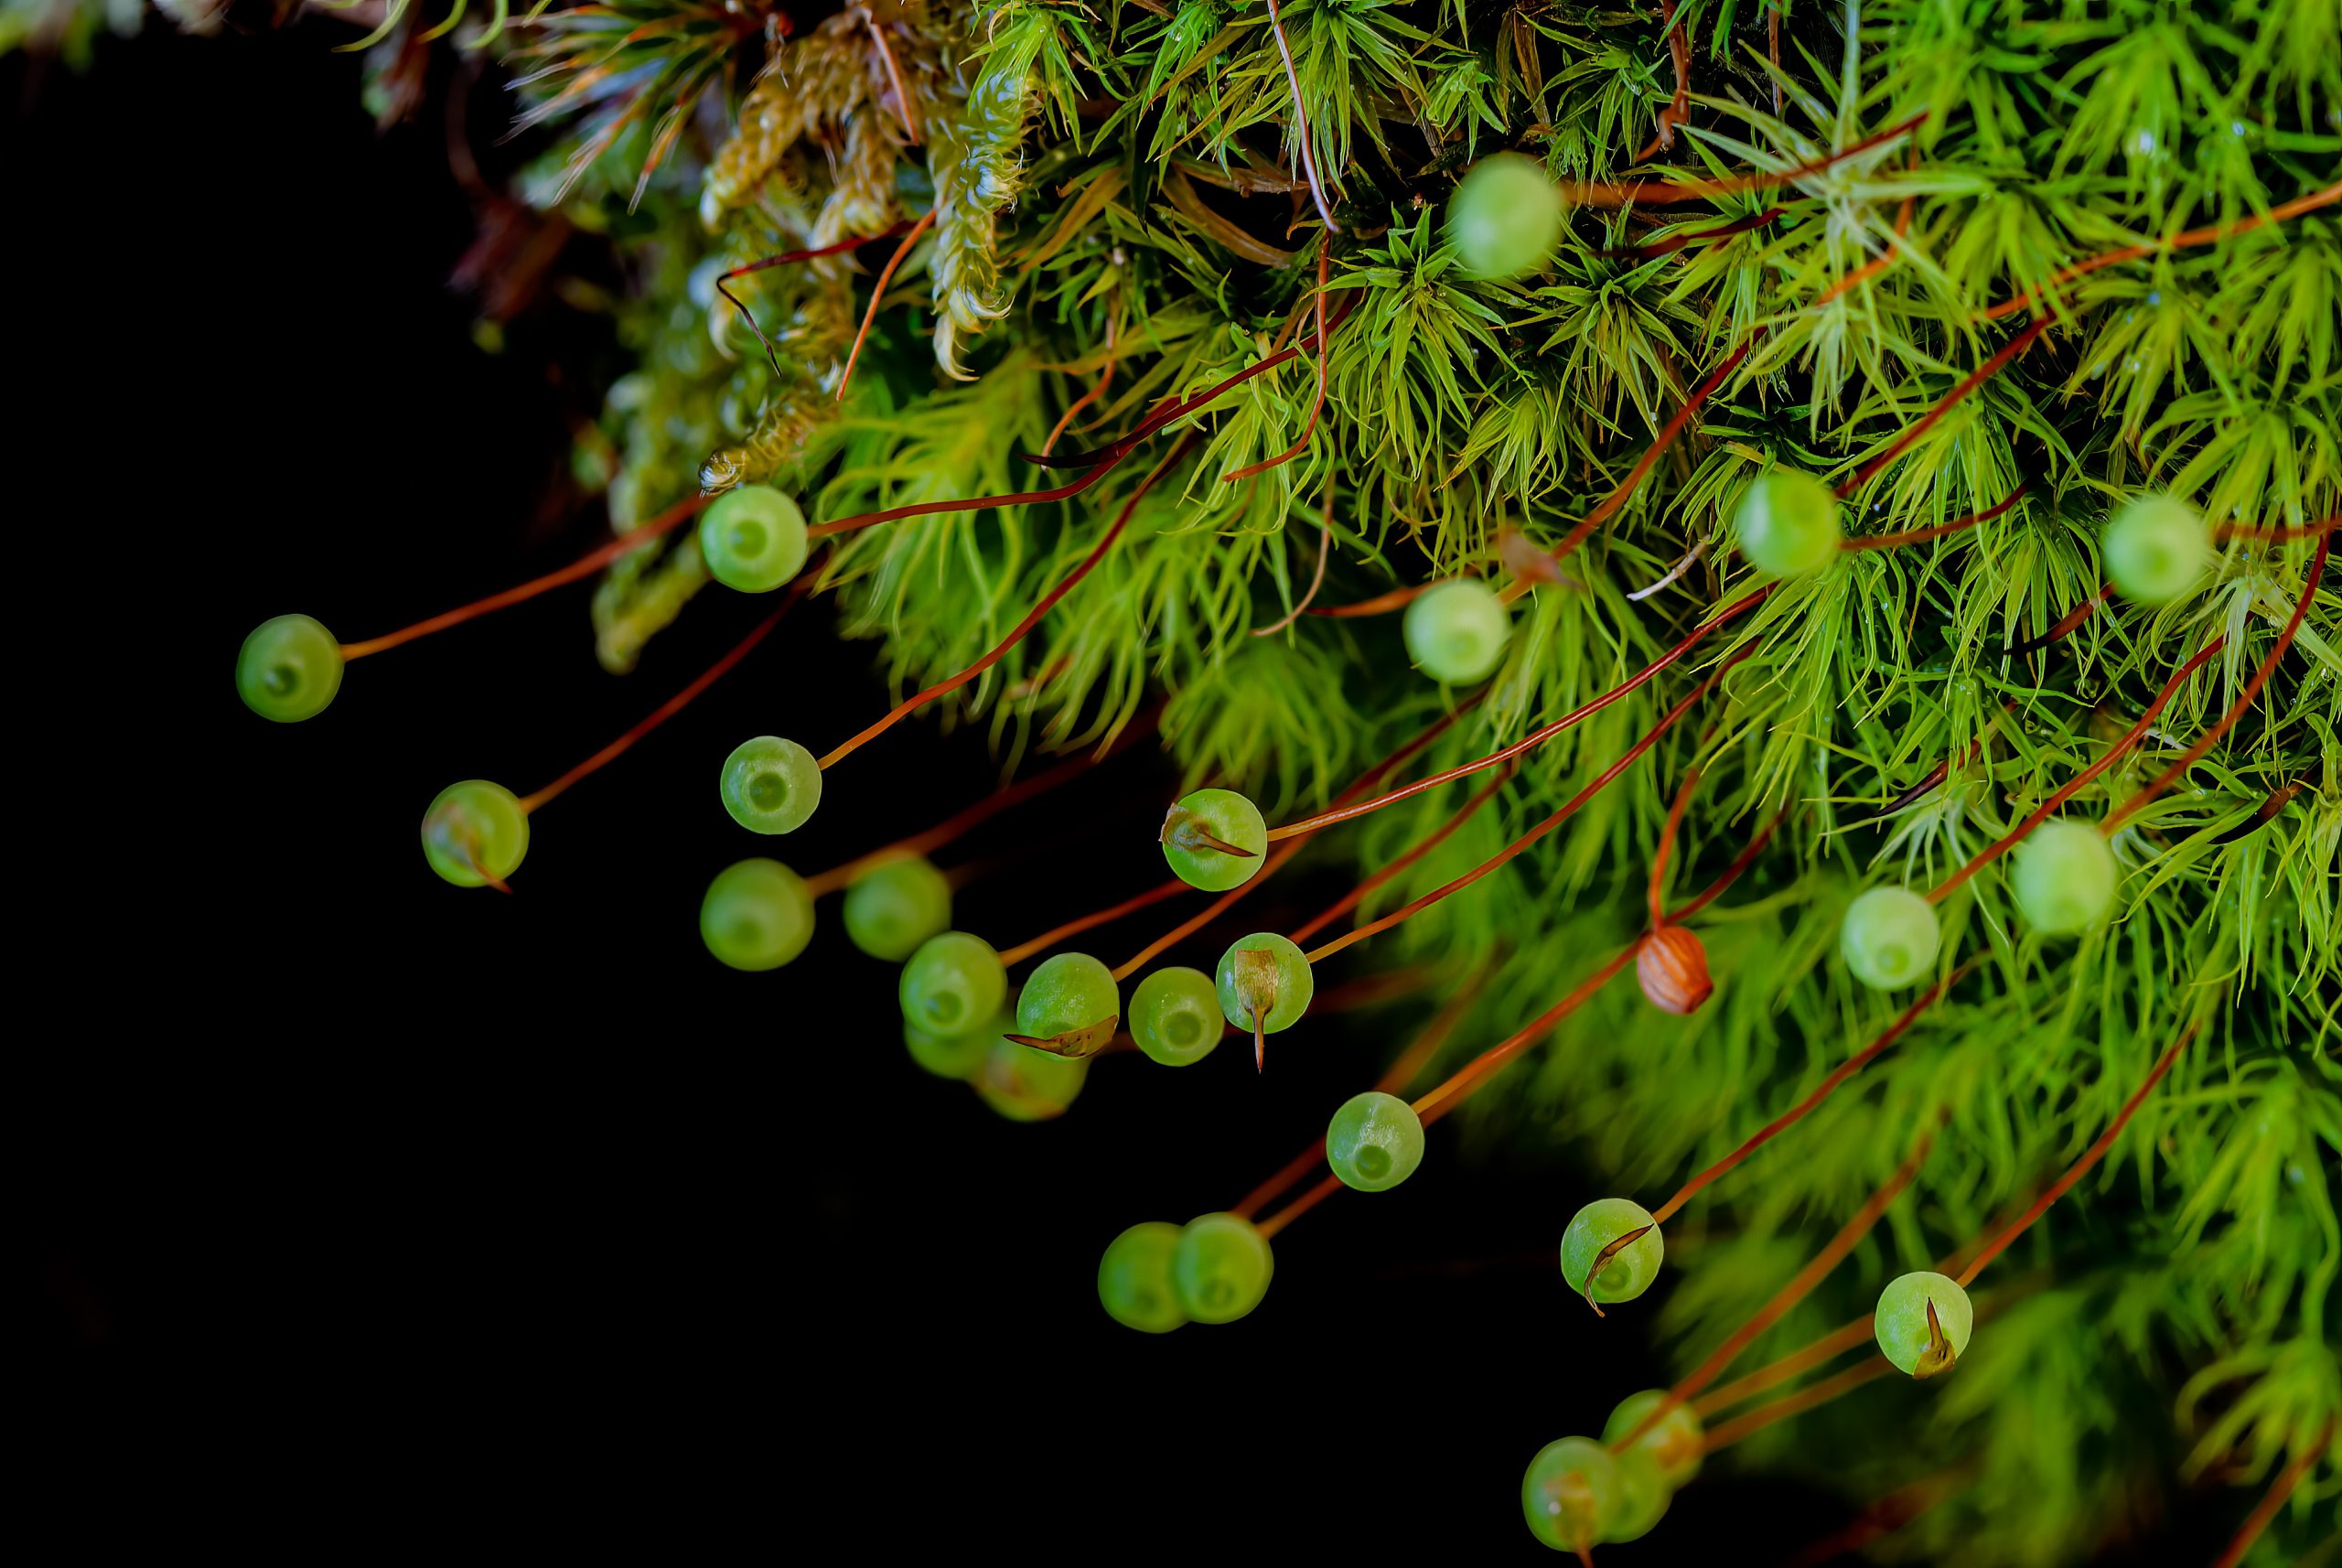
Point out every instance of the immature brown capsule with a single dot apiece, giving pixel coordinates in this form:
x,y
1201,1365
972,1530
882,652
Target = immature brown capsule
x,y
1673,969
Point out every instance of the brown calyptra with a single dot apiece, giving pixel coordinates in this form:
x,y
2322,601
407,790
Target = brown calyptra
x,y
1673,969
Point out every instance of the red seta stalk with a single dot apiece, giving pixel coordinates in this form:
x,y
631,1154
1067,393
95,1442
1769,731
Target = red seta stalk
x,y
584,567
1520,845
1414,852
1534,738
1829,1085
1269,868
2074,786
2287,1480
2081,1167
668,709
2259,677
1802,1284
1016,633
991,806
2179,241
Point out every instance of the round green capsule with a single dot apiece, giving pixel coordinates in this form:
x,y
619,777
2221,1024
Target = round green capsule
x,y
1890,937
1374,1141
1220,1268
1570,1491
1214,840
1456,633
1025,1085
2065,877
289,668
1264,979
1135,1279
895,905
950,1056
1787,523
770,785
1505,219
2156,549
1643,1497
1069,992
953,981
1597,1242
1923,1323
753,539
475,833
1175,1016
757,915
1676,1440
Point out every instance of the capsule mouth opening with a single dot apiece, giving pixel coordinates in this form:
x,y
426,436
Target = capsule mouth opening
x,y
1372,1160
282,680
1183,1028
749,539
769,791
944,1009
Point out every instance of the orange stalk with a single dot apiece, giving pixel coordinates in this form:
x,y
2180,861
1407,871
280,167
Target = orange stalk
x,y
1668,433
668,709
2074,786
1016,633
1269,868
1074,927
2179,242
1661,193
1520,845
964,822
885,275
1534,738
2259,677
584,567
2081,1167
1925,422
1829,1085
2290,1478
1921,535
1414,852
1823,1392
1802,1282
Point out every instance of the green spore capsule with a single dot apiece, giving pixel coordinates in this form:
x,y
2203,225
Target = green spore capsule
x,y
1220,1268
1070,998
289,668
2065,877
474,833
2156,549
1264,987
1923,1323
753,539
770,785
1374,1141
1175,1016
1025,1085
1787,523
1613,1243
949,1056
1456,633
1213,840
1135,1279
1677,1439
1571,1490
1643,1497
1890,937
757,915
1505,219
950,982
894,906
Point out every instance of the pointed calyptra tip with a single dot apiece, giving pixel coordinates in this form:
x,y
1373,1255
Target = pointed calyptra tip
x,y
1672,966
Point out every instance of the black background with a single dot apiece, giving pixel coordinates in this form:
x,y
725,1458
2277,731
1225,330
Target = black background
x,y
413,1209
